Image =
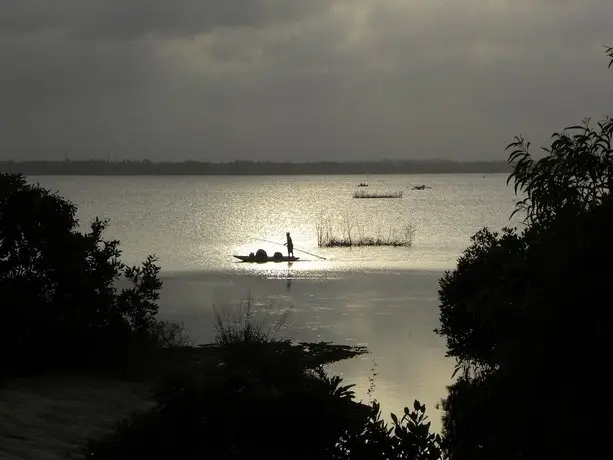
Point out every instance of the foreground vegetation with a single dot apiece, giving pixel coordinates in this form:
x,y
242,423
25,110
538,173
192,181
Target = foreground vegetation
x,y
349,232
61,307
255,386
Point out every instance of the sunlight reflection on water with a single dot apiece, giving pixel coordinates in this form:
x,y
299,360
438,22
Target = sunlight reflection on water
x,y
198,223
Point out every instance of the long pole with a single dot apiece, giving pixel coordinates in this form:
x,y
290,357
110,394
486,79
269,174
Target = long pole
x,y
274,242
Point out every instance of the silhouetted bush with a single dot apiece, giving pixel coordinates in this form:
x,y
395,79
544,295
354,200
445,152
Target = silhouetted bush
x,y
531,324
240,413
234,413
527,315
409,437
60,304
261,398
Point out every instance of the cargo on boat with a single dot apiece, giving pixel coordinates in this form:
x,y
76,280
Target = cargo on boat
x,y
261,257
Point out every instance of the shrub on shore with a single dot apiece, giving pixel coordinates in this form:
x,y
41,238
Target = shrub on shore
x,y
61,307
261,397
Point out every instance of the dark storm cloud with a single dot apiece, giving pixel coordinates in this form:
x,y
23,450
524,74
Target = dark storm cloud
x,y
302,79
500,27
121,19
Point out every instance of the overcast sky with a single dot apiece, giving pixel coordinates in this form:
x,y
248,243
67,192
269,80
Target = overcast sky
x,y
296,79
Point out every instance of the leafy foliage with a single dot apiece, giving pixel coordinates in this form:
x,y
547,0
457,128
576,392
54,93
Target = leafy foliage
x,y
413,435
61,306
408,438
576,174
480,302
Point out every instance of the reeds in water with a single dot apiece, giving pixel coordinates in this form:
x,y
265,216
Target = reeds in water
x,y
350,232
364,194
242,324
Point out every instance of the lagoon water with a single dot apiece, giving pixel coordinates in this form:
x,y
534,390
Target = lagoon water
x,y
382,297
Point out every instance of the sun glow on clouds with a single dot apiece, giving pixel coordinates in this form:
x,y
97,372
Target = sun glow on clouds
x,y
306,79
379,35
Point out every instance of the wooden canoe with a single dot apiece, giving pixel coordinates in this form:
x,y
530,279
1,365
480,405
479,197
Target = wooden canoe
x,y
268,259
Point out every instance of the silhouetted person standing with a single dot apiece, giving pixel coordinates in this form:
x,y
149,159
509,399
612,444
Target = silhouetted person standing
x,y
290,245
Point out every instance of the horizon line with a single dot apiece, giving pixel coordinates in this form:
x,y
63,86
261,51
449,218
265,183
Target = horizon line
x,y
147,161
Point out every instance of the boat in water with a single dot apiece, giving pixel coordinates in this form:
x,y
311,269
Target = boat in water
x,y
262,257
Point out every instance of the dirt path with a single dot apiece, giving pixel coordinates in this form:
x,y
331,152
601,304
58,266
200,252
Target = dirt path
x,y
54,417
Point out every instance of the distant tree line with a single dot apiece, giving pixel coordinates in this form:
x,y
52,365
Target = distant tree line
x,y
146,167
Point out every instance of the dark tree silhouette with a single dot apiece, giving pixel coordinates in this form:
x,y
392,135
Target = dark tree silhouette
x,y
61,306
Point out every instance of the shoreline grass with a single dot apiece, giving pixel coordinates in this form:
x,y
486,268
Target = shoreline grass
x,y
240,323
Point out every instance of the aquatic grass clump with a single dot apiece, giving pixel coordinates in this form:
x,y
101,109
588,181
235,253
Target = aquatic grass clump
x,y
352,233
324,229
367,241
365,194
241,324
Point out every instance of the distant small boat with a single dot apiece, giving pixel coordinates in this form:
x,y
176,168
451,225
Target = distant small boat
x,y
261,260
362,184
420,187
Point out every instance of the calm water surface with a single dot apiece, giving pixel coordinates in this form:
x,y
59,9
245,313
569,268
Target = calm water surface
x,y
196,223
385,298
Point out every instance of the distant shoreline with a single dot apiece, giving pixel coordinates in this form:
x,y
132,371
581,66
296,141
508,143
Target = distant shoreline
x,y
149,168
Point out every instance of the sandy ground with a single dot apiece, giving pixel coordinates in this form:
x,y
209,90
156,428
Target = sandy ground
x,y
54,417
